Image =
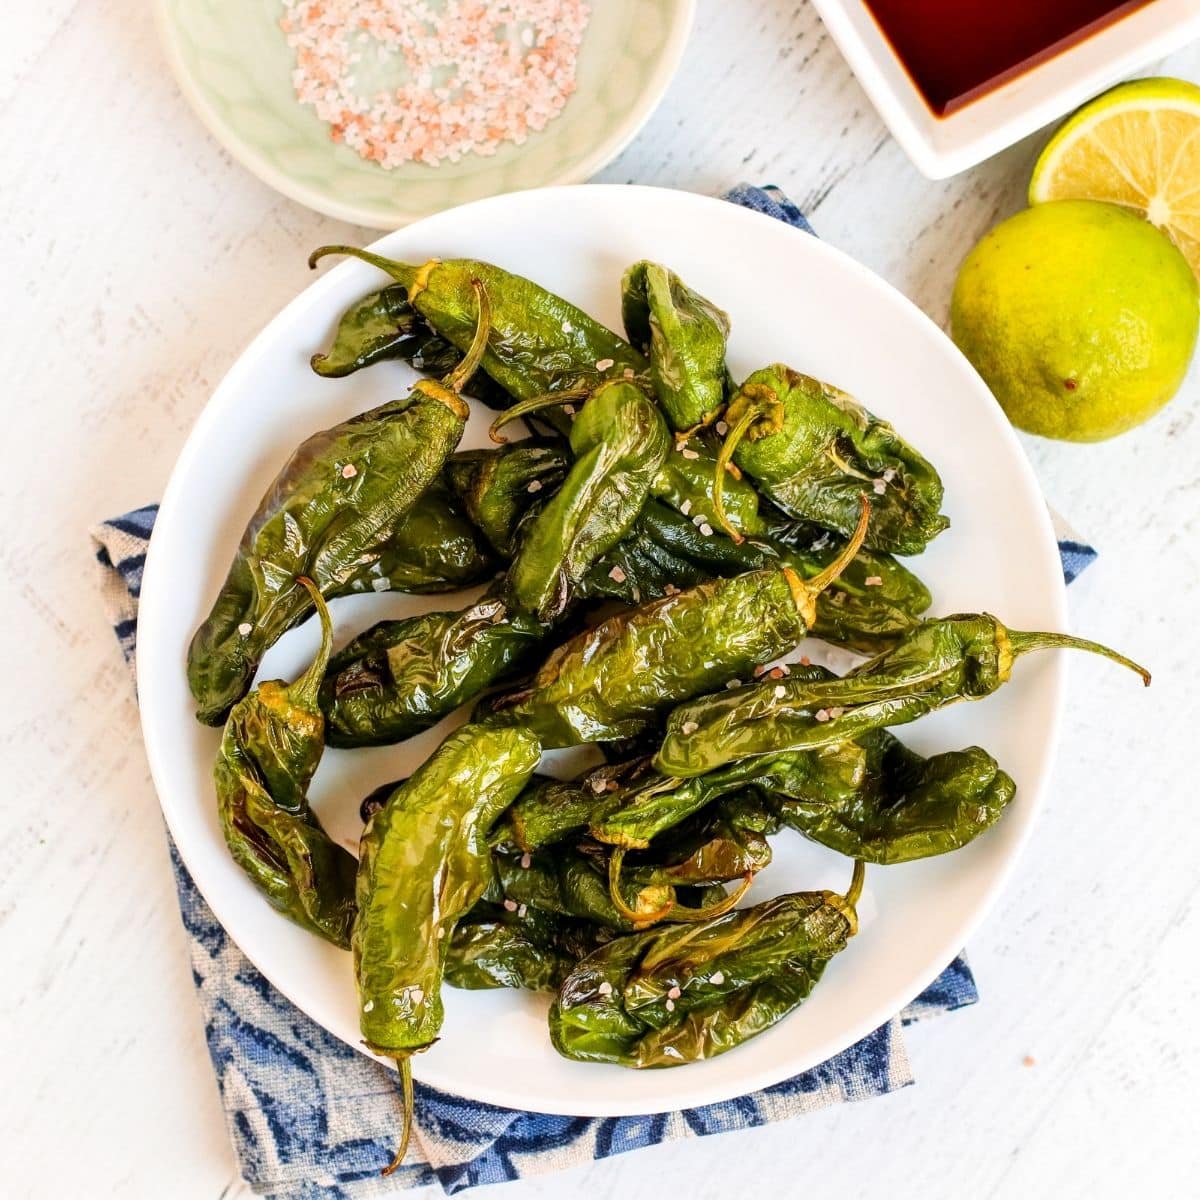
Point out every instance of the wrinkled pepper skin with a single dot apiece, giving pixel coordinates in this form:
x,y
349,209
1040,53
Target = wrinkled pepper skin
x,y
709,849
435,548
612,681
400,677
686,484
619,441
683,335
906,807
330,515
540,343
424,861
384,326
814,451
572,883
940,662
615,680
496,948
683,993
666,551
269,752
502,488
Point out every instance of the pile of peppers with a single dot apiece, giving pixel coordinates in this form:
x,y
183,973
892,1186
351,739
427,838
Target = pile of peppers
x,y
650,560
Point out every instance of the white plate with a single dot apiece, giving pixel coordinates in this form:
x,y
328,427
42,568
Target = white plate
x,y
791,297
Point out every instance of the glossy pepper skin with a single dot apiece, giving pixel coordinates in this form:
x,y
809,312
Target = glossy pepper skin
x,y
666,551
683,335
684,993
400,677
383,326
618,441
614,680
501,489
540,342
570,882
814,451
497,948
269,753
903,806
939,662
329,516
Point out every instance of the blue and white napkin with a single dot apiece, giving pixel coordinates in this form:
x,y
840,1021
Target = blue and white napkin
x,y
312,1119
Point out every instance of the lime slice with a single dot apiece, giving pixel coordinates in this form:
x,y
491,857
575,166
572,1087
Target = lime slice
x,y
1137,145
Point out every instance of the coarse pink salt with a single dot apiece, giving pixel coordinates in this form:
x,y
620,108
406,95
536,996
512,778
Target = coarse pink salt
x,y
428,81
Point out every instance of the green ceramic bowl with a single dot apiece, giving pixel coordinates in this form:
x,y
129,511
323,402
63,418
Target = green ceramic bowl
x,y
234,65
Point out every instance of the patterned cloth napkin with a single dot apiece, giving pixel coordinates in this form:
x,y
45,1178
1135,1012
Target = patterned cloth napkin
x,y
312,1119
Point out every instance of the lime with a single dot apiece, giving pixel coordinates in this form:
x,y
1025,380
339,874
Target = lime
x,y
1080,317
1138,146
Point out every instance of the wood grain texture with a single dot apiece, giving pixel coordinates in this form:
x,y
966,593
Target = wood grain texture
x,y
138,259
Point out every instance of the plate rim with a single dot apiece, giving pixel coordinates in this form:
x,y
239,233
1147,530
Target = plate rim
x,y
666,66
1034,795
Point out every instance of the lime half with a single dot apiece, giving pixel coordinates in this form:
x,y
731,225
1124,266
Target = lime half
x,y
1138,146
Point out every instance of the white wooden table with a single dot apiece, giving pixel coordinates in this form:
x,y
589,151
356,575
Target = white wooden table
x,y
137,260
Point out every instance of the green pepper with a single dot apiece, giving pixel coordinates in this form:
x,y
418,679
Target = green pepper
x,y
619,442
435,548
614,680
687,481
683,993
549,811
400,677
904,806
424,861
540,343
711,848
683,335
269,753
572,883
964,657
495,948
814,451
875,600
502,488
329,515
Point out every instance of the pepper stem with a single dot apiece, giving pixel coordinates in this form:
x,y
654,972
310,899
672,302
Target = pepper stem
x,y
683,914
404,1066
1023,643
304,690
819,582
854,891
461,375
533,404
724,460
400,272
618,901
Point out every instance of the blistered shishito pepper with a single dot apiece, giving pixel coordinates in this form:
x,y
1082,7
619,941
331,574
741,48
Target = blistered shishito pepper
x,y
619,441
502,488
572,883
902,806
400,677
330,513
269,753
500,948
385,326
683,993
873,602
683,335
939,662
614,680
540,343
424,861
814,451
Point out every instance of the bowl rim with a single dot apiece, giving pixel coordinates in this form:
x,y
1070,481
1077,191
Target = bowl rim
x,y
664,70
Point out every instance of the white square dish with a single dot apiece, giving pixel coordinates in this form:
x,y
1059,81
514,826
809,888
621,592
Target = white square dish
x,y
941,146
